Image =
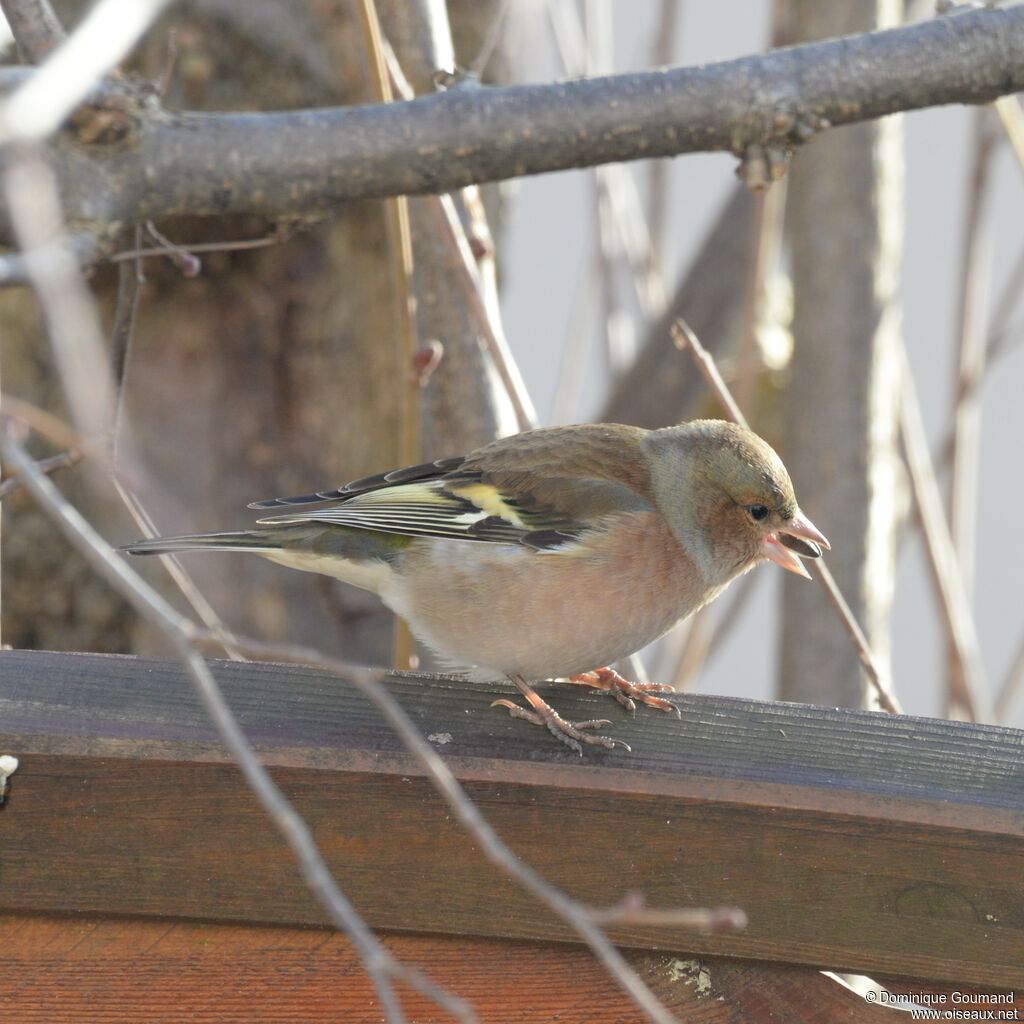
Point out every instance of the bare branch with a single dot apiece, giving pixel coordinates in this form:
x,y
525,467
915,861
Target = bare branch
x,y
45,466
967,680
14,270
633,910
969,370
103,38
305,161
35,27
129,283
236,245
488,322
400,261
79,349
684,339
970,350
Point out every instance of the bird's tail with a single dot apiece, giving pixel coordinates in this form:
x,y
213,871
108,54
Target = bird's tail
x,y
264,540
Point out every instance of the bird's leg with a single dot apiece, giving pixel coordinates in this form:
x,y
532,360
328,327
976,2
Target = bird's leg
x,y
625,692
572,734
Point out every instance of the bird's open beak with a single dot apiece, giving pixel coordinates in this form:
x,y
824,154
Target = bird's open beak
x,y
799,535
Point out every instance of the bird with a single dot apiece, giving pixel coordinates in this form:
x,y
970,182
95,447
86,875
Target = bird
x,y
549,554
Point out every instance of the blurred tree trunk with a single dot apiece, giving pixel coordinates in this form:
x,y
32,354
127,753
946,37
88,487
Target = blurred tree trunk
x,y
275,370
844,222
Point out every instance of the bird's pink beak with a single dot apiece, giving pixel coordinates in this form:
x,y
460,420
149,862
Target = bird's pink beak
x,y
798,535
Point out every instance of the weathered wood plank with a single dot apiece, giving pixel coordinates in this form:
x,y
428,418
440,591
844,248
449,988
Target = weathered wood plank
x,y
60,969
852,840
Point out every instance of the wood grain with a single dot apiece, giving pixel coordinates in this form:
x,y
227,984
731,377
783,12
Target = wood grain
x,y
853,841
64,970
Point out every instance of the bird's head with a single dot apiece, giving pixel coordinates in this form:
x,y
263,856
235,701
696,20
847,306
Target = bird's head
x,y
729,499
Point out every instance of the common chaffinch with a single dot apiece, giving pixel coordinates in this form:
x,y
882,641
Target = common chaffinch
x,y
548,553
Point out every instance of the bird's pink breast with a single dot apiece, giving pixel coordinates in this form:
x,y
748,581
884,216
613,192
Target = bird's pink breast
x,y
515,611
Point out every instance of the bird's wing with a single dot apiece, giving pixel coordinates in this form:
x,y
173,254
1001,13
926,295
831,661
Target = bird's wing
x,y
542,489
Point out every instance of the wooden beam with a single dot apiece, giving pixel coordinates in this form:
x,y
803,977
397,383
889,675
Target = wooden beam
x,y
149,971
852,840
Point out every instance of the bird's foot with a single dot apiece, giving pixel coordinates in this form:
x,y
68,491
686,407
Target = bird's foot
x,y
626,692
572,734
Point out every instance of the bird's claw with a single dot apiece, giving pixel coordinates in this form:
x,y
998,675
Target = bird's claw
x,y
628,693
572,734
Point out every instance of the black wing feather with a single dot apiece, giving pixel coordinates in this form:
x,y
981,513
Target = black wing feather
x,y
409,474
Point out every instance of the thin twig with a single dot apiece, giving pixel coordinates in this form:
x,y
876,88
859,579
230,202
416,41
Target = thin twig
x,y
396,212
488,323
969,370
694,649
99,42
31,191
572,364
469,280
633,910
967,674
85,248
45,466
1011,116
188,264
36,28
180,576
684,339
53,428
970,348
627,231
230,246
662,48
490,42
379,964
700,649
771,206
728,618
1000,333
129,285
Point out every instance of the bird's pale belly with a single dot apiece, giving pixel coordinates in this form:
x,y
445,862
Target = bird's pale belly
x,y
514,611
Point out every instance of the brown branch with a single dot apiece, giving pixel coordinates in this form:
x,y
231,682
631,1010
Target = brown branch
x,y
78,346
399,232
45,466
238,245
492,333
129,284
36,28
662,48
966,413
633,910
304,161
967,676
970,350
686,339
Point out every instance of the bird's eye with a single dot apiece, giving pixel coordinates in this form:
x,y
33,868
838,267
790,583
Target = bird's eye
x,y
758,512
